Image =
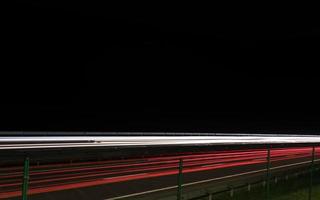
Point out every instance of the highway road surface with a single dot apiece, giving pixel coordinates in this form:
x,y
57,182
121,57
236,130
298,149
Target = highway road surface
x,y
129,178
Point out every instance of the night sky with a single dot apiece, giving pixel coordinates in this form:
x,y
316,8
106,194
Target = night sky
x,y
88,66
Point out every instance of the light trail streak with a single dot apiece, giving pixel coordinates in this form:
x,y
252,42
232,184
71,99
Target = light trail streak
x,y
57,177
47,142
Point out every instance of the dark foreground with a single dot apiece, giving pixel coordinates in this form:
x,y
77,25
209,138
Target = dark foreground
x,y
153,176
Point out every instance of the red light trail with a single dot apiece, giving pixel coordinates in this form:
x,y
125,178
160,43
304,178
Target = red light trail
x,y
64,176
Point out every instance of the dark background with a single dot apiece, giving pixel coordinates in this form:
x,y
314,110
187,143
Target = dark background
x,y
89,66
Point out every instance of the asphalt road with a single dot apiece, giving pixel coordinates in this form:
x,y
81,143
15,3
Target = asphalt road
x,y
109,179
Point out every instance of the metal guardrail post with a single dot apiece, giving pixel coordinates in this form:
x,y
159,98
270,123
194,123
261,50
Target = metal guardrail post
x,y
231,191
311,172
268,172
179,194
25,179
